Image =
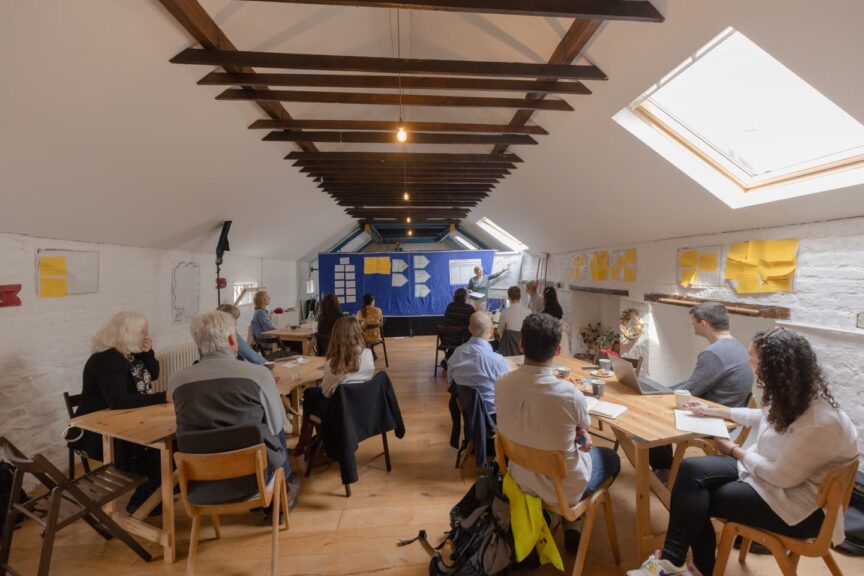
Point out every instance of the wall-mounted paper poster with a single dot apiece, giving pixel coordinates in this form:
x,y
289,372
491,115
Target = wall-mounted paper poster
x,y
624,265
762,265
699,266
599,265
578,266
185,291
63,272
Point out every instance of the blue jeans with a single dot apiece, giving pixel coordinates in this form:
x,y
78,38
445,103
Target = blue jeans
x,y
287,465
605,463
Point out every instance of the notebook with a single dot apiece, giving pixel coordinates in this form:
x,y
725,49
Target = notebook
x,y
687,422
604,409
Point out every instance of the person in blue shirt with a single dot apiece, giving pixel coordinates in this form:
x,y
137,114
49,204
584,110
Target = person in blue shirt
x,y
261,319
478,287
475,364
244,350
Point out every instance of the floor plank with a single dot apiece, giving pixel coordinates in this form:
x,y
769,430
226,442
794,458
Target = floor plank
x,y
332,534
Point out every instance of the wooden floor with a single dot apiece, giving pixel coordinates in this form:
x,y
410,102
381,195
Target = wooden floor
x,y
332,534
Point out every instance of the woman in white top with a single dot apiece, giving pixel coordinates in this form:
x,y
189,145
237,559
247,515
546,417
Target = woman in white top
x,y
801,434
347,361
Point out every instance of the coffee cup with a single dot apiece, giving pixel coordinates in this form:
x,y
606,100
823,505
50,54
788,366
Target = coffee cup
x,y
597,388
682,399
605,365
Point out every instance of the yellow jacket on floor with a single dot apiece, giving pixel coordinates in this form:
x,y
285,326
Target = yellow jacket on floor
x,y
529,527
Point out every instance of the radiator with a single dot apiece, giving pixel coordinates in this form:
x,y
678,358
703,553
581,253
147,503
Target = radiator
x,y
172,360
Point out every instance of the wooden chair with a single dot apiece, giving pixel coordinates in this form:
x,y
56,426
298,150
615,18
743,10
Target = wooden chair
x,y
550,463
705,445
833,497
245,466
72,401
449,337
382,342
65,502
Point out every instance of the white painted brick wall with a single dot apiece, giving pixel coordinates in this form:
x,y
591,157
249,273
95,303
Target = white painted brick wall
x,y
45,343
828,292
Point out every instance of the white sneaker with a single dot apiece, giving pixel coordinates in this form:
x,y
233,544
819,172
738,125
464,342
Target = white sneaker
x,y
656,567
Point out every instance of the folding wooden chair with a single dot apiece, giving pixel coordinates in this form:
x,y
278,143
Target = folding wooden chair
x,y
550,463
66,501
72,401
833,497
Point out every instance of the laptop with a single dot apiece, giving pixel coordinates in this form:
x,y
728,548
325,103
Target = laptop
x,y
625,374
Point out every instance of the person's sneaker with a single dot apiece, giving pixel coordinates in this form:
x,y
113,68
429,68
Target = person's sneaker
x,y
654,566
571,540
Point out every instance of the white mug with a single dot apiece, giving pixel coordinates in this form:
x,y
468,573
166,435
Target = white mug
x,y
605,364
682,398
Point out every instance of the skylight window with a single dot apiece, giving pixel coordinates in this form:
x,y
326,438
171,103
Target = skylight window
x,y
463,241
501,235
741,114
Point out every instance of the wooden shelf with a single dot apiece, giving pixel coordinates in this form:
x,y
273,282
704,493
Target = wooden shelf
x,y
593,290
741,308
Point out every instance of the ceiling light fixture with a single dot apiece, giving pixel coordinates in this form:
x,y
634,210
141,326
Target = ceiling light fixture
x,y
410,232
408,219
406,196
401,133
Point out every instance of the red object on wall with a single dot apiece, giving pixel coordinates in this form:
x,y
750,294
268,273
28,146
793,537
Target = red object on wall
x,y
221,283
9,295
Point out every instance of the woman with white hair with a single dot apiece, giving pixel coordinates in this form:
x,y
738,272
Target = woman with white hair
x,y
120,374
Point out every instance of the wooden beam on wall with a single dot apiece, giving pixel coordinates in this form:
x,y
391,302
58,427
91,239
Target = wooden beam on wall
x,y
638,10
195,20
388,126
386,65
393,82
387,138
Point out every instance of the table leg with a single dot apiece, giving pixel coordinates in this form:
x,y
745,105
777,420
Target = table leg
x,y
108,458
296,393
307,347
169,538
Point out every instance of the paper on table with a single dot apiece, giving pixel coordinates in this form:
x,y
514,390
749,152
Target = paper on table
x,y
687,422
605,409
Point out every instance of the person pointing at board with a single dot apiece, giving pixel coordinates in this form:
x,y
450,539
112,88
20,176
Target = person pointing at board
x,y
478,287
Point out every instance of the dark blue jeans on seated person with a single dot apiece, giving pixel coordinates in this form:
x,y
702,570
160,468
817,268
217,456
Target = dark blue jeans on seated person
x,y
605,463
287,465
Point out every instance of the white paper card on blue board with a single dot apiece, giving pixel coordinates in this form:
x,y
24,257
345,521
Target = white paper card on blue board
x,y
399,280
350,300
339,284
339,276
421,276
349,268
398,265
420,261
461,271
344,260
421,290
350,284
686,421
339,268
351,291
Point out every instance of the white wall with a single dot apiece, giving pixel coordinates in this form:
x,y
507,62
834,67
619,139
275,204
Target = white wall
x,y
827,297
45,342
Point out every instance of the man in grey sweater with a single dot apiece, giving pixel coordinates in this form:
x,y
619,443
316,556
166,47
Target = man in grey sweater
x,y
722,373
221,391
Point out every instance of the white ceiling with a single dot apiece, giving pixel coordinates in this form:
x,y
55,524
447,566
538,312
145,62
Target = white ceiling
x,y
102,139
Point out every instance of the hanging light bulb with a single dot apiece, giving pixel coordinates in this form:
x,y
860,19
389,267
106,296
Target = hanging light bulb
x,y
410,232
401,134
406,196
408,219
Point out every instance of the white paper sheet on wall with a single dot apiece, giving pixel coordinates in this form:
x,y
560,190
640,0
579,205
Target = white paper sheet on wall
x,y
81,269
185,291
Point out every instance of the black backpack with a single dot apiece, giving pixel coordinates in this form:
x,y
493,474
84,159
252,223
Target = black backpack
x,y
7,471
479,542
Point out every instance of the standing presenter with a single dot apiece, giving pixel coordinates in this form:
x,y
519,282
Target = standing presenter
x,y
478,287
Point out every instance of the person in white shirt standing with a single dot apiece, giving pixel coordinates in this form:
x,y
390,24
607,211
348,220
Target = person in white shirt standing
x,y
538,410
535,301
801,434
510,323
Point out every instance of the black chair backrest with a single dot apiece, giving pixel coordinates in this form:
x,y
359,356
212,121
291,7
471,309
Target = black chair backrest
x,y
72,401
218,439
509,345
39,466
322,341
452,336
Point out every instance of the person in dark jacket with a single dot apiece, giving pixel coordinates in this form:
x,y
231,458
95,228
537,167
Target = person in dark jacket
x,y
120,374
551,305
327,317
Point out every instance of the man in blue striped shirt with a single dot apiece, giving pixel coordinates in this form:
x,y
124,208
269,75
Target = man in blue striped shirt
x,y
475,364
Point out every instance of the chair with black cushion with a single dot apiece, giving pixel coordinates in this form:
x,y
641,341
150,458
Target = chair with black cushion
x,y
225,471
355,412
477,425
510,342
449,337
63,502
381,341
72,401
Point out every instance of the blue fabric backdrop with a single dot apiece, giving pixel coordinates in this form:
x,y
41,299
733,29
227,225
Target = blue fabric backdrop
x,y
404,283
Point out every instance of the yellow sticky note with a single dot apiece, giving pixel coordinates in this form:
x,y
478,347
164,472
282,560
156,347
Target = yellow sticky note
x,y
782,284
578,266
52,266
776,270
53,287
688,276
749,284
687,257
599,265
779,250
708,262
376,265
629,256
738,251
629,274
384,265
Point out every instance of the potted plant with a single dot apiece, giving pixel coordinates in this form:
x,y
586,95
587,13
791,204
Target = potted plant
x,y
590,335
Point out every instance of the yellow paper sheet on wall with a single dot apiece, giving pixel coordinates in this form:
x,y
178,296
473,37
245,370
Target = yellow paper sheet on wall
x,y
52,266
687,258
599,266
762,265
688,276
578,266
53,287
629,274
708,262
376,265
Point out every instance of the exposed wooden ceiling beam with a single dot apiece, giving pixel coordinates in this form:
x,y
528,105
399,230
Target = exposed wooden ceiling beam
x,y
399,189
227,58
405,180
389,170
393,82
377,204
388,138
408,157
568,49
388,126
393,99
195,20
603,9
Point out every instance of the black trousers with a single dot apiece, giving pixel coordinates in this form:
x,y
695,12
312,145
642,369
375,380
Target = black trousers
x,y
709,487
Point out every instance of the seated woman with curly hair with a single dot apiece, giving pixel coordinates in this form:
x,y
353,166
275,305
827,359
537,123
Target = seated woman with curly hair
x,y
801,434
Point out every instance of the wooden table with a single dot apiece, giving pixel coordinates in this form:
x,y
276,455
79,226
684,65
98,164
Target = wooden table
x,y
305,334
310,372
649,421
155,427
